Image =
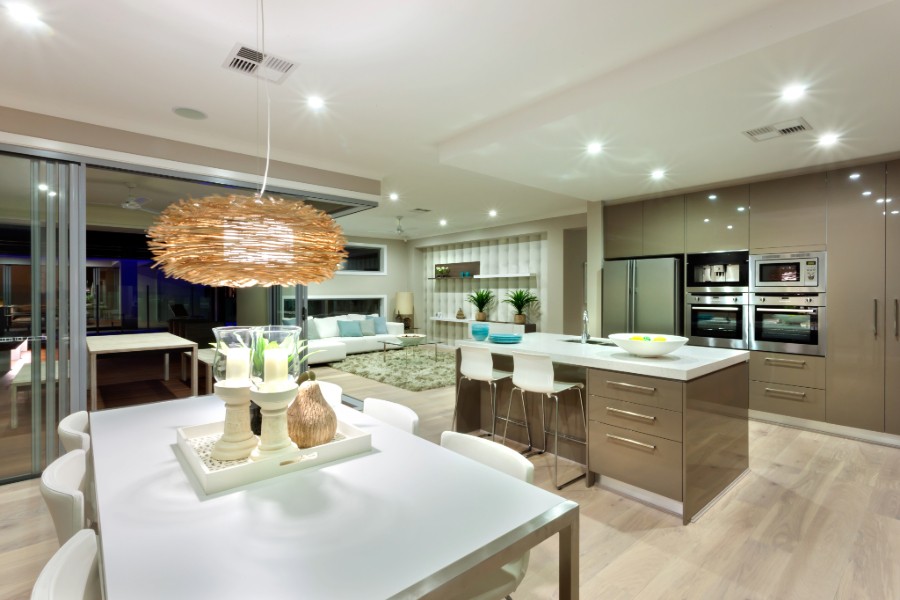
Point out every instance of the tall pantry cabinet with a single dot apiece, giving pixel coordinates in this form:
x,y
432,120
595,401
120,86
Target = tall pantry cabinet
x,y
862,356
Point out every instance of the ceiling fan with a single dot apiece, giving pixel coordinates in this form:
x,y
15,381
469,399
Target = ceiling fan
x,y
134,202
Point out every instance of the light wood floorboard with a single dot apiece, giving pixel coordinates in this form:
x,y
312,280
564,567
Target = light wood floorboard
x,y
817,517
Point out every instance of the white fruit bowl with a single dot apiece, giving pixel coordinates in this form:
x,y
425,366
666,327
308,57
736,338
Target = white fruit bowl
x,y
648,344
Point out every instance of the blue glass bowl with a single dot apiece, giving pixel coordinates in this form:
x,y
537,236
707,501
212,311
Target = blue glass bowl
x,y
480,331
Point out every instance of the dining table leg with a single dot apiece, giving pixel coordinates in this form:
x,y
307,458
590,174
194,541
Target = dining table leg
x,y
568,559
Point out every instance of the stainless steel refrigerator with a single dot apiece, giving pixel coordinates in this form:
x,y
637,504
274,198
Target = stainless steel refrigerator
x,y
641,295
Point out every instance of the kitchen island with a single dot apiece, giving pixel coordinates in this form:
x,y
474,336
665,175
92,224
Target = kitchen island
x,y
670,431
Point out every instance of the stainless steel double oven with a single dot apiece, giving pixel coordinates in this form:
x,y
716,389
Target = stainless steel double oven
x,y
716,307
787,303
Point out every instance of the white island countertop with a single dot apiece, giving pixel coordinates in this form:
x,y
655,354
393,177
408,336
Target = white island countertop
x,y
684,364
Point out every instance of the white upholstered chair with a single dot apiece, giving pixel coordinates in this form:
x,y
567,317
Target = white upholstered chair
x,y
73,572
396,415
534,373
477,364
62,486
505,580
74,431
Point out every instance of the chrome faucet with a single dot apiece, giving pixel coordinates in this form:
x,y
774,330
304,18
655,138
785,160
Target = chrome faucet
x,y
585,336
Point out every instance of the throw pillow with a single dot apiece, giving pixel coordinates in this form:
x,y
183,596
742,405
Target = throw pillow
x,y
349,328
367,326
380,324
327,327
312,332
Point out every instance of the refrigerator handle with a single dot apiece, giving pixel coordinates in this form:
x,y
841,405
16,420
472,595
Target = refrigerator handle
x,y
632,276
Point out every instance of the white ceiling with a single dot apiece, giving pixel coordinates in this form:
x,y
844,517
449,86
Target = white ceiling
x,y
469,105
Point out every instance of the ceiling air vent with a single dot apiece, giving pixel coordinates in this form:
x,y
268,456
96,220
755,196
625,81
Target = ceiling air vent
x,y
768,132
244,59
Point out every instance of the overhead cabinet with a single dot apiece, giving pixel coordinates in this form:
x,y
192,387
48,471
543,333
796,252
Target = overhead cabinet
x,y
649,228
717,219
623,230
787,213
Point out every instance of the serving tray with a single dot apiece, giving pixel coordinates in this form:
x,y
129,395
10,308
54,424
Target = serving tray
x,y
196,442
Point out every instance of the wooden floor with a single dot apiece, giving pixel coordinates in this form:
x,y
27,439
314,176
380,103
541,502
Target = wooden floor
x,y
818,517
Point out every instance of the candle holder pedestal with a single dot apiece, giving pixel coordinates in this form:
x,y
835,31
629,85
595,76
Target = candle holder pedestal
x,y
237,441
274,439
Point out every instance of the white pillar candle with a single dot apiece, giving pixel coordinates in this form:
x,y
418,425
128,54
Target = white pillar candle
x,y
237,364
275,365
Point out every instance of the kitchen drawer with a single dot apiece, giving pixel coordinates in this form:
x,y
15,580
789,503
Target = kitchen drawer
x,y
640,389
645,461
639,417
789,369
788,400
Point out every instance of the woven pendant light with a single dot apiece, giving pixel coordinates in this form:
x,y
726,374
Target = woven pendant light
x,y
243,241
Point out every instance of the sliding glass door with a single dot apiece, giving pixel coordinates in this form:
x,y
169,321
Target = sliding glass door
x,y
39,203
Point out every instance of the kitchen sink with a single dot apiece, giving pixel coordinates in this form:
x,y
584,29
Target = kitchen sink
x,y
595,342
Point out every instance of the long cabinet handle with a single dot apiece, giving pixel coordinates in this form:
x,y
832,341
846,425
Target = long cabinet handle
x,y
896,318
717,308
788,311
786,392
630,441
631,386
875,316
787,362
628,413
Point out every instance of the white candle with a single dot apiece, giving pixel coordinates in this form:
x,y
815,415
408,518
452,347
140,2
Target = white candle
x,y
275,366
237,364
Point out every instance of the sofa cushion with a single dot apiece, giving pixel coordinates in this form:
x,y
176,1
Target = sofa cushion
x,y
352,317
327,327
380,324
312,332
367,326
349,328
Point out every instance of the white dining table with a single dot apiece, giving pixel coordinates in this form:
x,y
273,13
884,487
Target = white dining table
x,y
138,342
407,519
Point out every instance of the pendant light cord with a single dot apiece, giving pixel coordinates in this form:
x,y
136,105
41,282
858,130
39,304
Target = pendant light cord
x,y
262,42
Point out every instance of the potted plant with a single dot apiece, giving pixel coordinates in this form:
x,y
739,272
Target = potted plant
x,y
520,300
482,299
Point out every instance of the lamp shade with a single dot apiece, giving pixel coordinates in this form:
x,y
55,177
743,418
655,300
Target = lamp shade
x,y
405,303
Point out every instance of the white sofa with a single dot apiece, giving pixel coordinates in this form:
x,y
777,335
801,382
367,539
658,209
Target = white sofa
x,y
330,346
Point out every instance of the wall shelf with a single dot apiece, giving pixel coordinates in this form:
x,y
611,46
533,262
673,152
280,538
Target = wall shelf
x,y
490,276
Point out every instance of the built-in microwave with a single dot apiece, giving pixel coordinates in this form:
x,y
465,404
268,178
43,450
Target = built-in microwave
x,y
799,272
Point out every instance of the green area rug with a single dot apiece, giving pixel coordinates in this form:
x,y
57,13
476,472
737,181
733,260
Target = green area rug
x,y
413,369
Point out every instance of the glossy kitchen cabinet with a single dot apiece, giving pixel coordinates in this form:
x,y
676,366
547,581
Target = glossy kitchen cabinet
x,y
855,361
663,226
892,302
623,230
717,219
788,213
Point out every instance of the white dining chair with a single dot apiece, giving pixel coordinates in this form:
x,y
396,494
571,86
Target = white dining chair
x,y
506,579
74,431
73,572
396,415
63,486
534,373
477,364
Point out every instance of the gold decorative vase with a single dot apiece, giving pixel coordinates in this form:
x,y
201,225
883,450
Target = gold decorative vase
x,y
311,420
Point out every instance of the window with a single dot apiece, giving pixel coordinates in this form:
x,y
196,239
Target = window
x,y
366,259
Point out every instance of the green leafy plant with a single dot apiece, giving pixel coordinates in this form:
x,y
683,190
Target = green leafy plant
x,y
482,299
520,300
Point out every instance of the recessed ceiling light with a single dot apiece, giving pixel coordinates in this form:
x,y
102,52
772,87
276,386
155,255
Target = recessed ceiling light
x,y
23,14
315,102
712,196
658,174
828,139
594,148
706,220
793,92
867,193
854,175
730,227
394,196
740,209
42,187
492,213
443,222
189,113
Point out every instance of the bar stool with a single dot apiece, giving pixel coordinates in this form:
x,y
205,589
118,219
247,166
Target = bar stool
x,y
477,364
534,373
